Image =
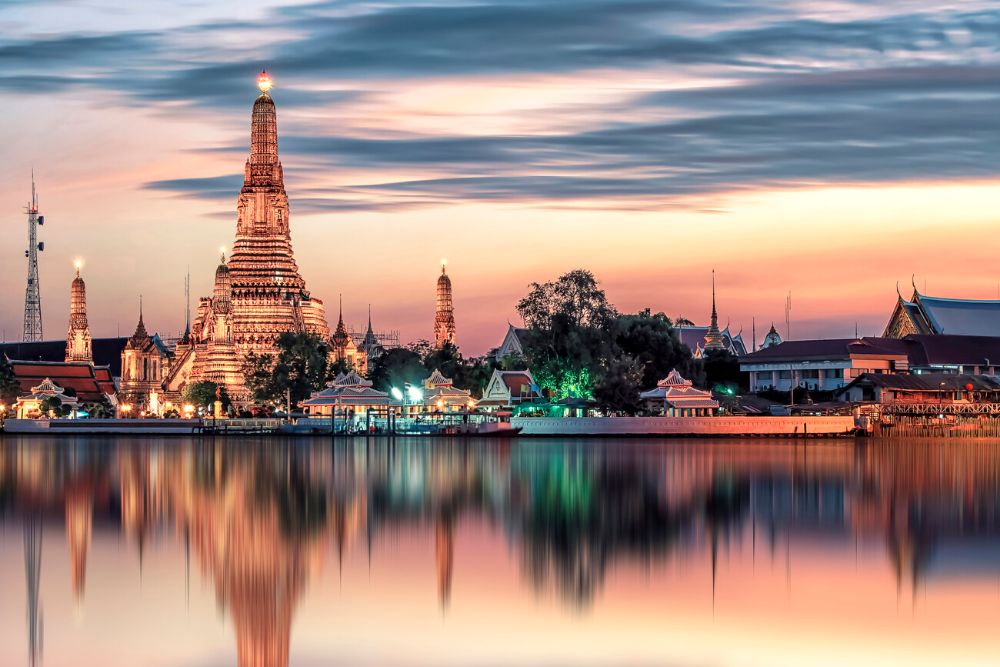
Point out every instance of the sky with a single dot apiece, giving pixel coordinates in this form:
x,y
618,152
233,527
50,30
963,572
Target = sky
x,y
830,149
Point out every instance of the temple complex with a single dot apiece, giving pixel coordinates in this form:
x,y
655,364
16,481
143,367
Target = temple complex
x,y
78,341
259,294
444,315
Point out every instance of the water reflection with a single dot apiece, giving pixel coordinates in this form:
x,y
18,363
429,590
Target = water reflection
x,y
259,521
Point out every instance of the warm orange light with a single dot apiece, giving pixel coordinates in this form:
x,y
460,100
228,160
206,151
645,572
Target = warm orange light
x,y
78,264
264,81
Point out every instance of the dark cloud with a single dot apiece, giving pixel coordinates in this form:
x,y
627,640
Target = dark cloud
x,y
211,187
901,96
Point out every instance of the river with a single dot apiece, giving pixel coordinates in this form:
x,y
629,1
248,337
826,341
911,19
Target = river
x,y
423,552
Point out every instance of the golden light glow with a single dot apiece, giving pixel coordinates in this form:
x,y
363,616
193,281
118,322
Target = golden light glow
x,y
78,264
264,81
444,262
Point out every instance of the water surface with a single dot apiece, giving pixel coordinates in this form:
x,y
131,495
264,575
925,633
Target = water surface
x,y
529,552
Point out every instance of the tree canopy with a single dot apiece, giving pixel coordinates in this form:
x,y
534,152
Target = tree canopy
x,y
300,365
9,387
395,368
578,345
205,394
573,297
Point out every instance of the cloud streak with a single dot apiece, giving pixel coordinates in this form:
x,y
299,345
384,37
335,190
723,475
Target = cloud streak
x,y
786,97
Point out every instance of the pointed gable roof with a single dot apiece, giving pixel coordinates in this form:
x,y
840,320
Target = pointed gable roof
x,y
437,379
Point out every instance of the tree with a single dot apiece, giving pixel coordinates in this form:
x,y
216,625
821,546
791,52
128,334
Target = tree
x,y
300,367
338,367
395,368
205,394
574,296
722,369
258,376
618,389
653,342
10,389
421,347
50,404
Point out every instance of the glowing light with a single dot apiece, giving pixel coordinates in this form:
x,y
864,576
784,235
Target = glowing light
x,y
264,81
78,264
397,394
444,262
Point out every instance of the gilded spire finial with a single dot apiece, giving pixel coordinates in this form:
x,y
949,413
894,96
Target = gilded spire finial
x,y
264,82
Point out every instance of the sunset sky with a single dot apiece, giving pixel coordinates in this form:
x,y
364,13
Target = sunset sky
x,y
828,148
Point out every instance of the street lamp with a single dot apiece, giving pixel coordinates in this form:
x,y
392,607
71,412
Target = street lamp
x,y
398,395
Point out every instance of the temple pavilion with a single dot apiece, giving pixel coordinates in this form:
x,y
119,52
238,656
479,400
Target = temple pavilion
x,y
441,395
675,396
349,396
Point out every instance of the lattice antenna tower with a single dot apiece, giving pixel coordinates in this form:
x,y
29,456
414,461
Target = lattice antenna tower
x,y
32,292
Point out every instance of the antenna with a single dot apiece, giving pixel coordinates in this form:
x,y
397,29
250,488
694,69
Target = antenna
x,y
187,301
788,315
32,294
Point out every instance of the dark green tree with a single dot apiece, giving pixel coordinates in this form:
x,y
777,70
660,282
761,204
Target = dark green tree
x,y
652,342
258,375
395,368
9,387
722,369
204,394
574,297
300,366
619,387
422,347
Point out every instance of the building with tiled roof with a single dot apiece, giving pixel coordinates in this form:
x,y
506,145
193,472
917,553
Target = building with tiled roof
x,y
832,363
349,395
107,352
512,344
933,388
441,394
83,381
510,388
923,314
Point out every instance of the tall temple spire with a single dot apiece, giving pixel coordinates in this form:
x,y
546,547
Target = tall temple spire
x,y
265,295
140,333
340,335
444,313
713,338
78,340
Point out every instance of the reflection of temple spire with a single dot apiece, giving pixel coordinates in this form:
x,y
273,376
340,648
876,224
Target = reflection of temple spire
x,y
79,527
32,576
444,556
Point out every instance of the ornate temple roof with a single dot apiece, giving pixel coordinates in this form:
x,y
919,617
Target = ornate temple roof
x,y
437,379
678,392
924,314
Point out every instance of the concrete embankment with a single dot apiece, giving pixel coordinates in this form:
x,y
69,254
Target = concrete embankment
x,y
688,426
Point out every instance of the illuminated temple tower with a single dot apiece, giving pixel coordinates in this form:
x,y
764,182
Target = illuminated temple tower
x,y
78,342
268,296
444,315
